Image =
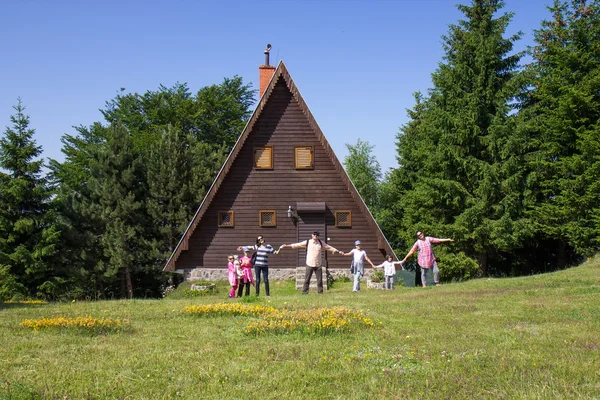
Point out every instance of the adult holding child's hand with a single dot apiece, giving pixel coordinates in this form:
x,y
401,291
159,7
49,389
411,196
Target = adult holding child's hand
x,y
426,258
314,246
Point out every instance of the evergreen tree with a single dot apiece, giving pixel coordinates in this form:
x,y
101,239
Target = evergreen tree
x,y
179,172
460,161
116,201
80,248
364,171
413,149
27,235
176,144
561,114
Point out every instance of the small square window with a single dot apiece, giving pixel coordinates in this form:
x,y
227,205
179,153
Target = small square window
x,y
343,219
226,219
263,158
303,157
267,218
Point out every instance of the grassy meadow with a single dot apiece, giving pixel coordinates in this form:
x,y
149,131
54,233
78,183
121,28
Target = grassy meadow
x,y
535,337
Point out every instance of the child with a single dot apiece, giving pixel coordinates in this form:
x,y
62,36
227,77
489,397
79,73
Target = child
x,y
358,264
233,277
238,267
389,270
247,277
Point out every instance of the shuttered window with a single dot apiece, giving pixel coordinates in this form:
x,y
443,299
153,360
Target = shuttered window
x,y
226,219
343,219
303,157
267,218
263,158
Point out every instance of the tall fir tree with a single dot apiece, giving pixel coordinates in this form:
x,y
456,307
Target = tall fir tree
x,y
116,201
179,172
561,114
179,142
413,149
27,235
464,171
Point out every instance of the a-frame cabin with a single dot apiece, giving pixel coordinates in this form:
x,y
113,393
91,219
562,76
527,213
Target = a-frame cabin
x,y
281,180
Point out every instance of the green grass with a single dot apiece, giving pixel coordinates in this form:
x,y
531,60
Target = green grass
x,y
534,337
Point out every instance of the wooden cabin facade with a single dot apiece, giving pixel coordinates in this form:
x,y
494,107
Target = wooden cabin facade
x,y
281,180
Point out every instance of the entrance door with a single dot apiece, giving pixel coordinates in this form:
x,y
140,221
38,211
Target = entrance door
x,y
308,222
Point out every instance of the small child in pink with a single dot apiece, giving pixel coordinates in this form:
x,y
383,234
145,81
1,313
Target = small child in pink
x,y
247,277
233,278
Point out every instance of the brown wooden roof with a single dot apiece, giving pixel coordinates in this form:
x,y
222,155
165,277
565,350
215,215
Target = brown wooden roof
x,y
280,72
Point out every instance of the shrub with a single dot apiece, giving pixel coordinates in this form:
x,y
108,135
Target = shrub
x,y
10,289
457,267
377,276
197,293
202,283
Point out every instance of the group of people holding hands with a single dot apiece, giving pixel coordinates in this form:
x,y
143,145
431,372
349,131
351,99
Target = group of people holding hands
x,y
240,269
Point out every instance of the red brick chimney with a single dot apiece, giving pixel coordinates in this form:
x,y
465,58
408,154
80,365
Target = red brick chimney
x,y
265,72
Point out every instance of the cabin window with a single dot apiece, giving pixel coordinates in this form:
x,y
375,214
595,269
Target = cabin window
x,y
303,157
343,219
226,219
263,158
267,218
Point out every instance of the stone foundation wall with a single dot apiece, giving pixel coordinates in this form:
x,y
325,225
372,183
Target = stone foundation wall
x,y
275,274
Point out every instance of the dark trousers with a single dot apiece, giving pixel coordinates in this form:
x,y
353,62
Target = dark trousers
x,y
265,273
308,274
241,288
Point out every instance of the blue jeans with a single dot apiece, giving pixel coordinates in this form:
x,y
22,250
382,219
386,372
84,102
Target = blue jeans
x,y
356,287
436,274
389,282
360,270
265,273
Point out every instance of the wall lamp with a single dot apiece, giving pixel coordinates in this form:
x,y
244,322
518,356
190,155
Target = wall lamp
x,y
292,213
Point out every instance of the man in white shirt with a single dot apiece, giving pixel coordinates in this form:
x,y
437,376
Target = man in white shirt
x,y
313,248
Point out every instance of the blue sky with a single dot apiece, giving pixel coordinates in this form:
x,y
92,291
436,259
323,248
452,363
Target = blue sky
x,y
357,63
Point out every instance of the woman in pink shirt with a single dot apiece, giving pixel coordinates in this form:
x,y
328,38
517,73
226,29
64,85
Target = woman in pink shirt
x,y
426,259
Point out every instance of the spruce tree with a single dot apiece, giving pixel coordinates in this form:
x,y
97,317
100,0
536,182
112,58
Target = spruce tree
x,y
116,201
460,161
80,249
27,234
178,142
179,172
561,114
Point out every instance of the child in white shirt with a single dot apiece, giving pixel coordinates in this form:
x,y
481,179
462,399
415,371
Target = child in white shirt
x,y
389,270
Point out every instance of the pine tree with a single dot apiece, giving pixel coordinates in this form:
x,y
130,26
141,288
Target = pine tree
x,y
561,114
179,172
178,142
116,201
460,160
80,250
27,235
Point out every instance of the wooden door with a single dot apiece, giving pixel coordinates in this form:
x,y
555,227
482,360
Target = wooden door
x,y
307,224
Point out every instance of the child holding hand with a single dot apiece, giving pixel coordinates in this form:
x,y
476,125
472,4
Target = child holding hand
x,y
389,270
233,276
247,277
